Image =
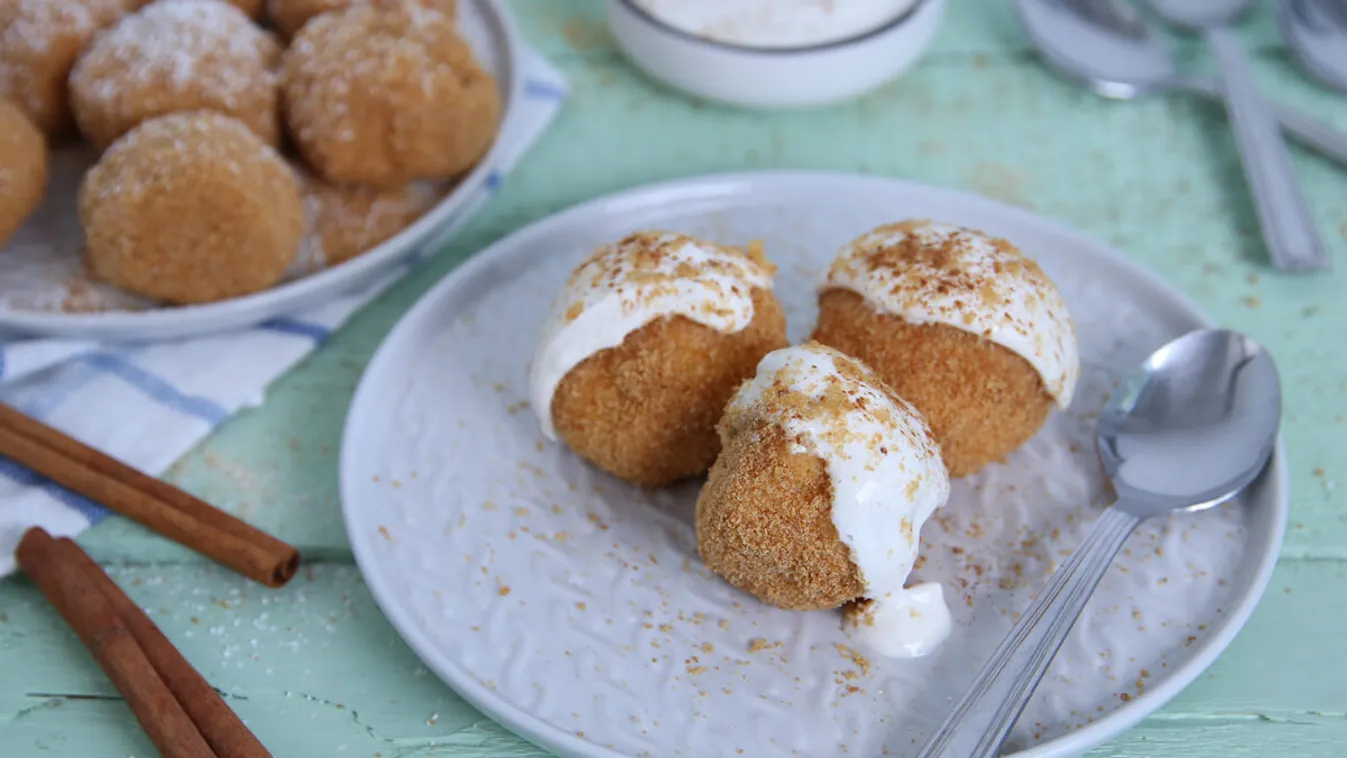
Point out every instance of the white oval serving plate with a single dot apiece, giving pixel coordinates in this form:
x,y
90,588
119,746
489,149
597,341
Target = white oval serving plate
x,y
32,263
574,609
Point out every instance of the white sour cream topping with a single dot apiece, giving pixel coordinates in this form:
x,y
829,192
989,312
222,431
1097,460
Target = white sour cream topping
x,y
887,479
970,281
623,286
776,23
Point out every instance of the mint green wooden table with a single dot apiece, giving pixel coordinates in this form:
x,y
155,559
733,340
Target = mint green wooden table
x,y
316,671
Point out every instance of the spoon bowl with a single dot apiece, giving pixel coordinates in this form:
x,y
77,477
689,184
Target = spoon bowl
x,y
1193,426
1107,46
1316,31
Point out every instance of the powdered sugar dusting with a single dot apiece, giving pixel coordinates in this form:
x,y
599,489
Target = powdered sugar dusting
x,y
40,38
291,15
172,47
32,24
209,139
342,222
418,29
185,43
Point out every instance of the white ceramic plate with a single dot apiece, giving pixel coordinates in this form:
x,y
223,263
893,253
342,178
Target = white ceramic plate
x,y
41,264
573,608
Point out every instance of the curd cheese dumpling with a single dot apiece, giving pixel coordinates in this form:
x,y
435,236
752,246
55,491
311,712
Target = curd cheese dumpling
x,y
819,494
649,339
382,95
345,220
289,16
174,56
960,324
39,43
23,168
191,208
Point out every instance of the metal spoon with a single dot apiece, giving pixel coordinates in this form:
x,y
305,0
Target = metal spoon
x,y
1316,30
1107,46
1288,228
1194,426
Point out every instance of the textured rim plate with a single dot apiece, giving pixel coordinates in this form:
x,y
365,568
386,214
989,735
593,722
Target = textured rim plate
x,y
502,45
399,484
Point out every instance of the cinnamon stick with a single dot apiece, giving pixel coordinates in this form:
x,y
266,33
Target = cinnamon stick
x,y
148,501
91,616
221,727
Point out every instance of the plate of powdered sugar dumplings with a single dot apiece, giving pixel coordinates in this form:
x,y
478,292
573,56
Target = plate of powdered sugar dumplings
x,y
184,166
769,463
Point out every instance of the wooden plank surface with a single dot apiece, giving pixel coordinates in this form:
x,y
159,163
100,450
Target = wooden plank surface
x,y
315,670
318,672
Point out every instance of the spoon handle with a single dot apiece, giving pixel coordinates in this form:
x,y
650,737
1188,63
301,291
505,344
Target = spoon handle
x,y
1315,134
1283,213
982,719
1319,135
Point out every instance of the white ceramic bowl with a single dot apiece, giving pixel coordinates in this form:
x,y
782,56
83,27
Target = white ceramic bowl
x,y
761,77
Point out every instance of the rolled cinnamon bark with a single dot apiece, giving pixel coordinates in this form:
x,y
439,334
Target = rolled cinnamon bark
x,y
148,501
221,727
84,607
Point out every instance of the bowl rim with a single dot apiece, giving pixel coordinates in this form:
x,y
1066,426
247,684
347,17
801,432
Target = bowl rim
x,y
774,52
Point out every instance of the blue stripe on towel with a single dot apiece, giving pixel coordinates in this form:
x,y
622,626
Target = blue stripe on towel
x,y
20,475
283,325
52,394
158,389
543,90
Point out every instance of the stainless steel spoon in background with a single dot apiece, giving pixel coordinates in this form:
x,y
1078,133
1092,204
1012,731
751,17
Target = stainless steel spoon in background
x,y
1192,428
1107,46
1283,213
1316,31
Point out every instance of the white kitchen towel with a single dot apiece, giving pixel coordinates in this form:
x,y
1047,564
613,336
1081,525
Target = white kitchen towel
x,y
147,405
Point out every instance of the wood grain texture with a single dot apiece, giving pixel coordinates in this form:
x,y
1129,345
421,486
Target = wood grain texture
x,y
314,667
316,671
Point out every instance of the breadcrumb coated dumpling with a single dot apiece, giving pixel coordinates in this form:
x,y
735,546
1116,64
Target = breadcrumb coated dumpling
x,y
39,43
191,208
764,522
647,342
23,168
173,56
289,16
382,96
819,495
960,324
345,220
